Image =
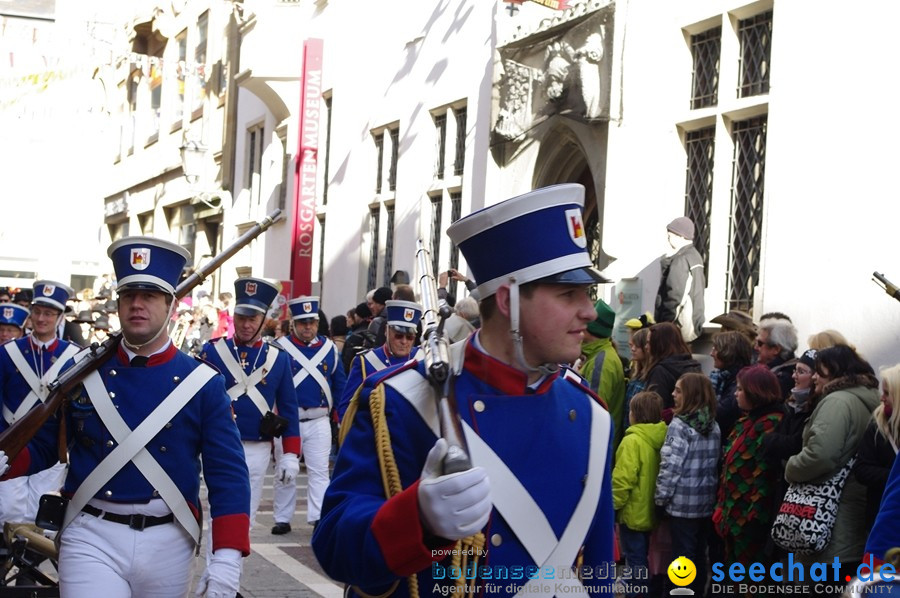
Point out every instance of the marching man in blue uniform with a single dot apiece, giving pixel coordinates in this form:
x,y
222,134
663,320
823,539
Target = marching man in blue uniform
x,y
402,322
12,321
539,494
259,380
318,378
27,366
137,433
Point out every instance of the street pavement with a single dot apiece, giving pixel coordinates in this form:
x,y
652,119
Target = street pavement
x,y
280,566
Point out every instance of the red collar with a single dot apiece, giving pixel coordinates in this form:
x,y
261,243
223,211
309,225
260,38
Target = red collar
x,y
156,359
255,345
499,375
314,343
51,347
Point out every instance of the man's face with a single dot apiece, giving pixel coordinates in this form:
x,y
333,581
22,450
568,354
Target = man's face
x,y
767,352
247,328
376,308
9,331
43,322
142,314
553,321
400,340
306,329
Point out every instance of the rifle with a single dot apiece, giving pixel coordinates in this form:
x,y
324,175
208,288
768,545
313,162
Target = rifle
x,y
438,367
889,287
20,433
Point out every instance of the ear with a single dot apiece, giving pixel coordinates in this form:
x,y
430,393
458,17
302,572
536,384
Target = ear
x,y
501,298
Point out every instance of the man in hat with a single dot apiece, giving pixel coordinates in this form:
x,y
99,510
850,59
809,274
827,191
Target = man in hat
x,y
539,493
379,319
259,381
736,320
683,282
602,367
12,321
402,321
137,433
319,379
27,367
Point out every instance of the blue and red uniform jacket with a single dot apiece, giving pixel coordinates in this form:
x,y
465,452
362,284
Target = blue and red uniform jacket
x,y
309,394
885,532
13,387
361,369
205,426
543,437
276,386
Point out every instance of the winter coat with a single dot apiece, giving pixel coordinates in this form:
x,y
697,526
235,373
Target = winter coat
x,y
676,301
688,470
873,466
830,438
727,410
663,376
606,377
634,476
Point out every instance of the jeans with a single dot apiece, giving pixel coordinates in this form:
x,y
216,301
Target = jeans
x,y
689,540
634,546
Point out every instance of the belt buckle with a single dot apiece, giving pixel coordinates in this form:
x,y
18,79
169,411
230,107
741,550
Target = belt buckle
x,y
137,522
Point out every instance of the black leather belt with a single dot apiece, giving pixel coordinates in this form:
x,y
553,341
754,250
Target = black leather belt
x,y
135,522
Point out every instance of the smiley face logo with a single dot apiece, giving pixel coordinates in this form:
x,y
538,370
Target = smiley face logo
x,y
682,571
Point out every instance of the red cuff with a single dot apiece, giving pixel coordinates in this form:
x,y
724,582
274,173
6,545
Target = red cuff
x,y
399,534
19,466
232,531
291,444
870,558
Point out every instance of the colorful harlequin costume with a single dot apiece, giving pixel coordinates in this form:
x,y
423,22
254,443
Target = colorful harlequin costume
x,y
545,447
747,495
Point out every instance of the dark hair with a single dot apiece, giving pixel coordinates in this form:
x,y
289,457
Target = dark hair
x,y
733,349
665,340
841,360
775,315
646,407
285,326
339,326
363,311
404,292
323,325
382,295
696,393
760,385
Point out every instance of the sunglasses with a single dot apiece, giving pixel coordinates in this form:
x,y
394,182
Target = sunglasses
x,y
404,333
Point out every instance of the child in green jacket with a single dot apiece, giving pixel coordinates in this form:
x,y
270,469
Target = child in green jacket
x,y
634,483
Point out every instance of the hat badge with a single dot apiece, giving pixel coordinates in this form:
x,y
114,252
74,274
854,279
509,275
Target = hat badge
x,y
576,227
408,314
49,289
8,313
250,288
307,308
140,258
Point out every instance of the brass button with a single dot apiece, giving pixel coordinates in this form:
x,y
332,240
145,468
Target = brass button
x,y
496,540
112,395
112,372
110,444
479,406
572,415
108,493
176,379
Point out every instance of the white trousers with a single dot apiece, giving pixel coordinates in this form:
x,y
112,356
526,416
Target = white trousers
x,y
104,558
19,497
315,446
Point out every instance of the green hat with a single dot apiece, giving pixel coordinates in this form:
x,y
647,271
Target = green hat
x,y
602,327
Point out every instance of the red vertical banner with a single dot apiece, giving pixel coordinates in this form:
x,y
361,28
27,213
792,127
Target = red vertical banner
x,y
305,167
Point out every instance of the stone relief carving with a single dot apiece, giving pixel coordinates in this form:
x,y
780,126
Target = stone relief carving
x,y
564,70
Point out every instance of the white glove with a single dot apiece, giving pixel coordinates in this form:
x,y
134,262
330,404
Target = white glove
x,y
456,505
288,467
222,578
4,463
